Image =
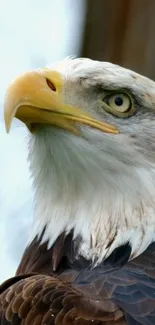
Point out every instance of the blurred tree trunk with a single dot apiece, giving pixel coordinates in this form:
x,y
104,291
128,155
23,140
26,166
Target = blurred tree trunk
x,y
123,32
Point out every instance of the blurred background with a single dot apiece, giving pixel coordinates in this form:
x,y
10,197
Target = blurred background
x,y
34,33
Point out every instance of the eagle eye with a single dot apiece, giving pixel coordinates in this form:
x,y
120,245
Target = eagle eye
x,y
119,104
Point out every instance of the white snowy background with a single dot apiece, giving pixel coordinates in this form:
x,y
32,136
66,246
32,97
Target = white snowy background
x,y
33,33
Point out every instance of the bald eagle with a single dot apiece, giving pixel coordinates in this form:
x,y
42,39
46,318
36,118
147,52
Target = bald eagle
x,y
91,140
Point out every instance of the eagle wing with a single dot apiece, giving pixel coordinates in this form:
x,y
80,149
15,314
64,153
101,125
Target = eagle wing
x,y
40,299
108,294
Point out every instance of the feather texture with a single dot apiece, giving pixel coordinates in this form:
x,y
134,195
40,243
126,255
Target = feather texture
x,y
40,299
106,294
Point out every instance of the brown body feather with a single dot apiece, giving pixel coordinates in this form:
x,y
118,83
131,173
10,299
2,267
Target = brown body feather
x,y
104,295
42,299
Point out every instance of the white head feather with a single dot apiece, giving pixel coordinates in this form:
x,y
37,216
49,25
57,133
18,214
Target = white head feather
x,y
100,185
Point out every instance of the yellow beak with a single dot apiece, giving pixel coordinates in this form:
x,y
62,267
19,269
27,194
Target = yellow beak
x,y
36,98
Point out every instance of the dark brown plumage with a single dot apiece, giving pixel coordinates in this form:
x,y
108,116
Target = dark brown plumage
x,y
40,299
106,295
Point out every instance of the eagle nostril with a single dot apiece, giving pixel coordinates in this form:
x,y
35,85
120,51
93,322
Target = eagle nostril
x,y
50,84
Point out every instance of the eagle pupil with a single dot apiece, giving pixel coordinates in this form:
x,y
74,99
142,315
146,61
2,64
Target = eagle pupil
x,y
118,101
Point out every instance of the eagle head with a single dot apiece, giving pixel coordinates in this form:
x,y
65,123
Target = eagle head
x,y
91,137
